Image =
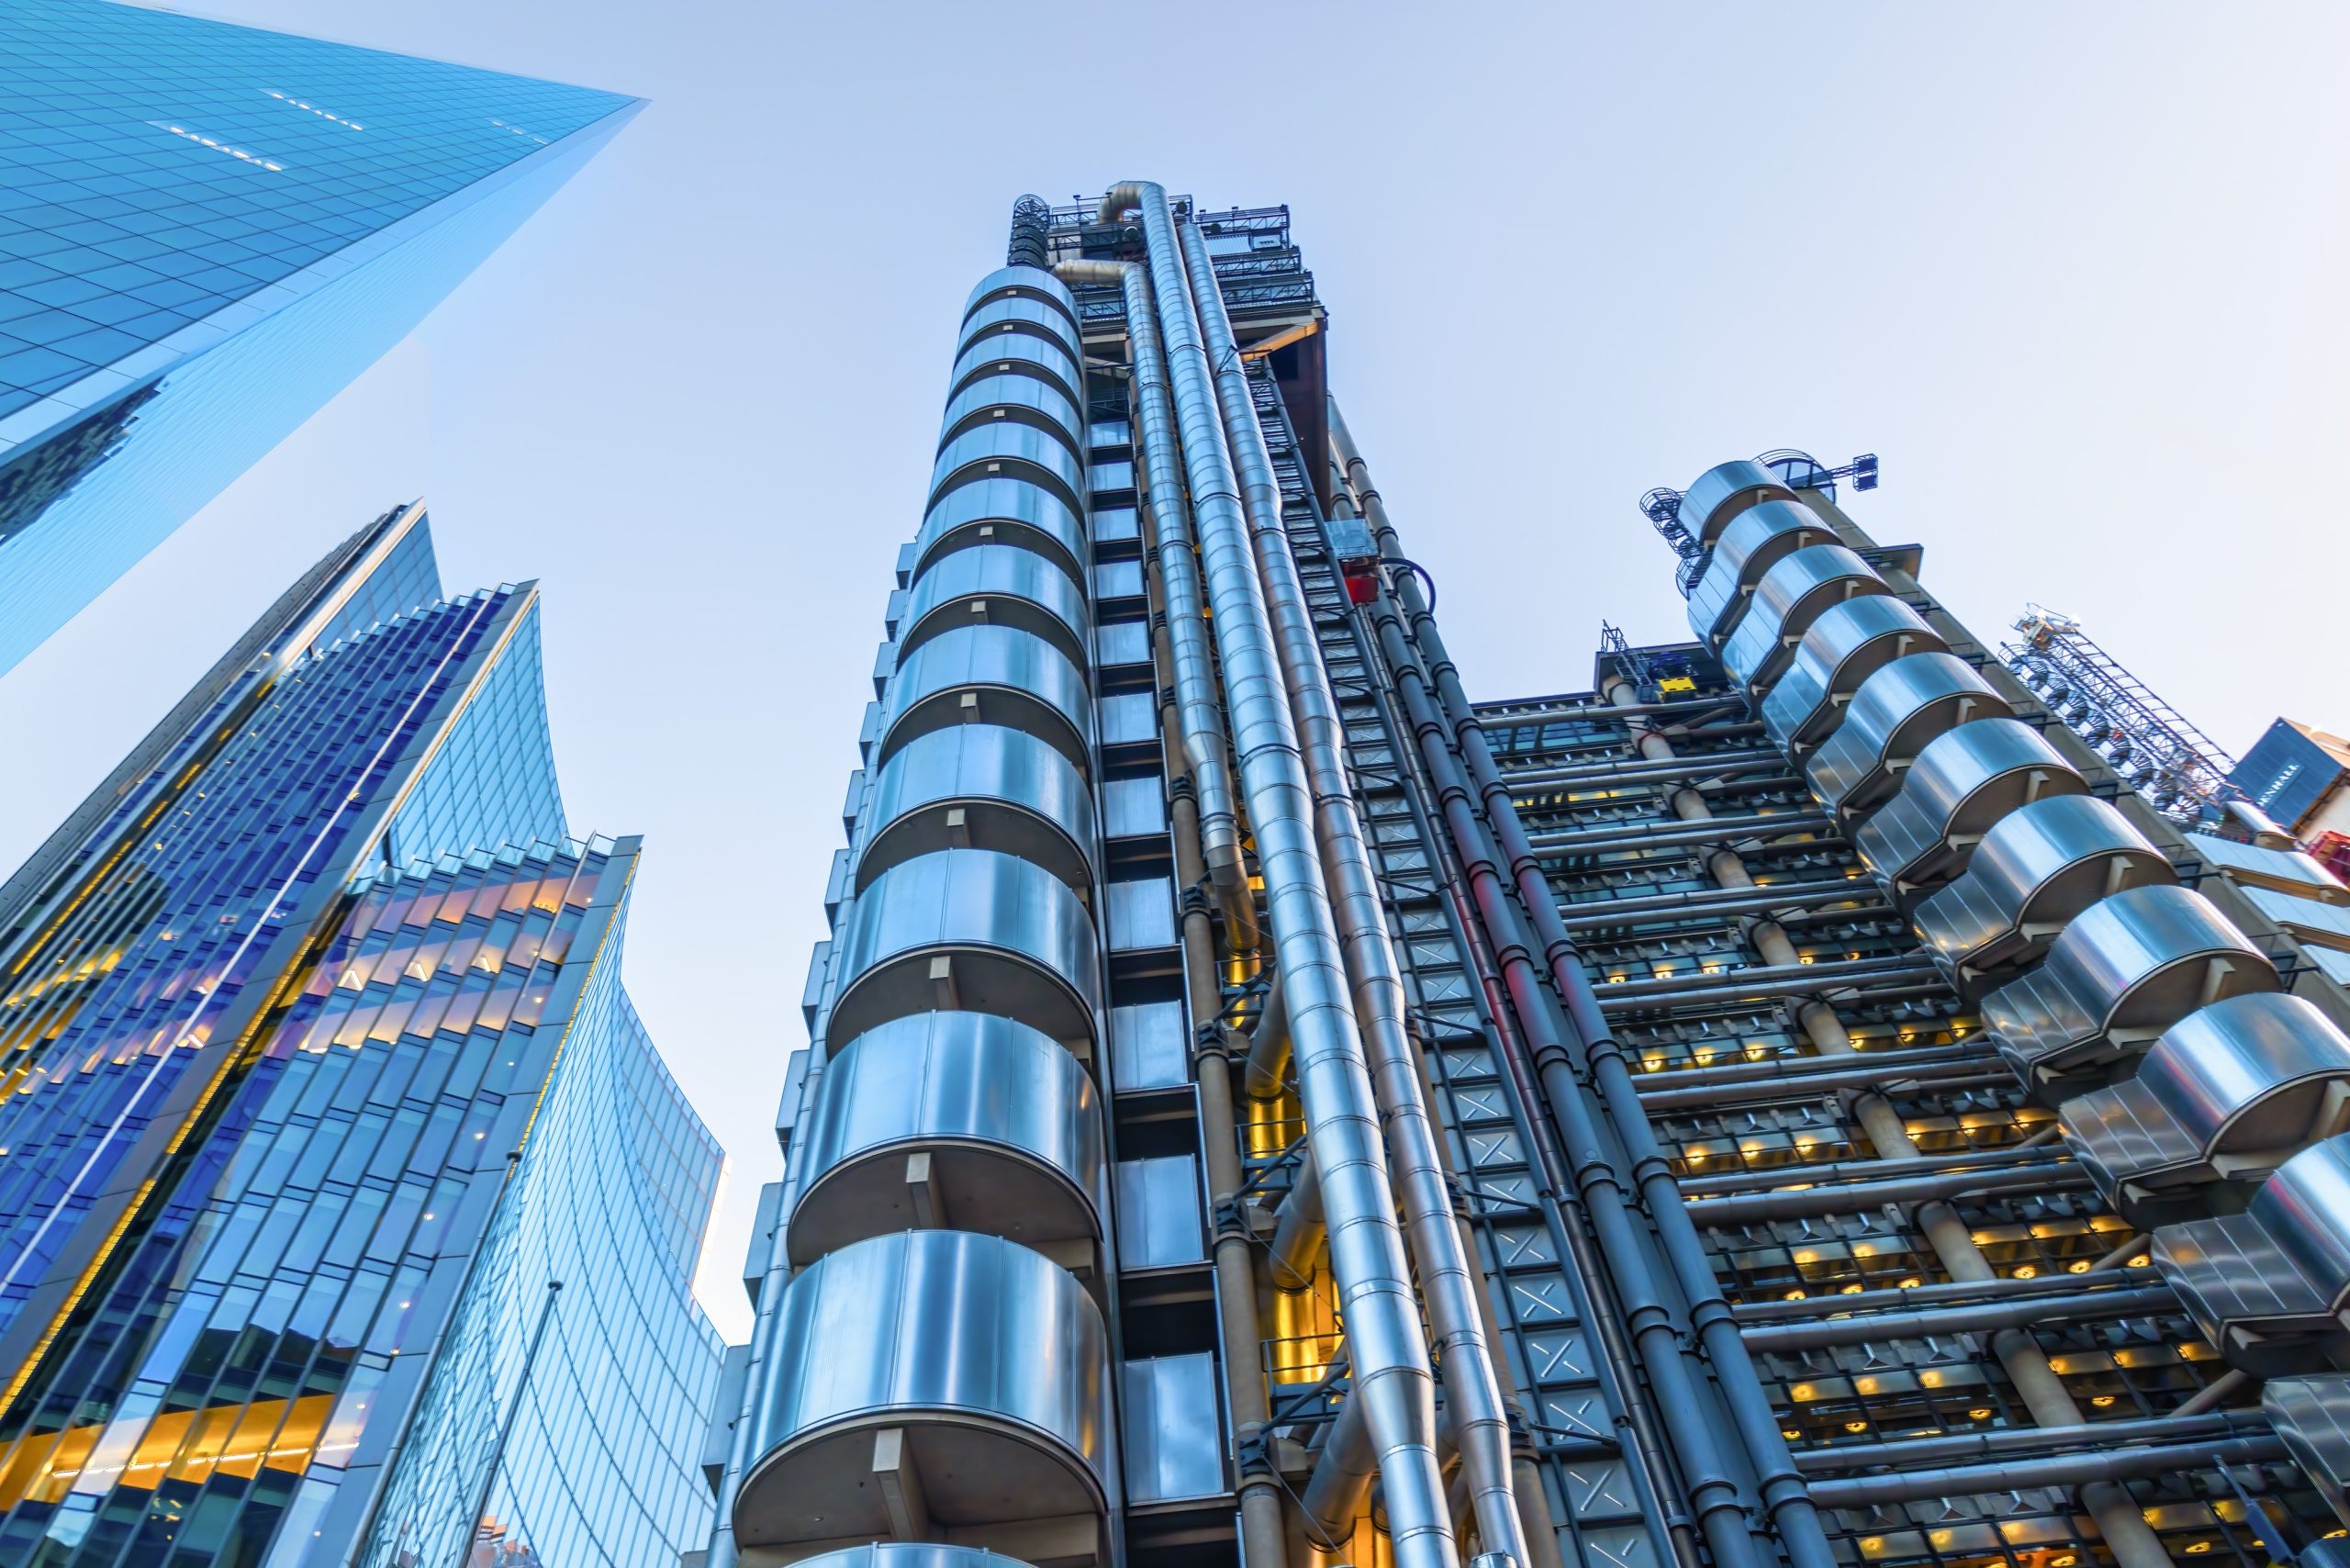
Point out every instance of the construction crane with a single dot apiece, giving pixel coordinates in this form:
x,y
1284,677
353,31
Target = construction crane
x,y
2178,768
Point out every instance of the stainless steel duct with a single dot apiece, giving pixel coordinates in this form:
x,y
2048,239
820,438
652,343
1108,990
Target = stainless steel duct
x,y
1269,1043
1472,1393
1179,570
1384,1333
1182,659
1298,1229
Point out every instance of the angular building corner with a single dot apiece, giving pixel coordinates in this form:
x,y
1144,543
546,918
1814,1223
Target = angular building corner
x,y
1792,1103
205,232
350,1213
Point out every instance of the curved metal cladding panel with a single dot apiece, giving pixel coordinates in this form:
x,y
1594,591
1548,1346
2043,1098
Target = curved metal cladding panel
x,y
997,585
1896,712
1012,939
1009,1120
2035,869
1961,783
990,1361
1013,677
2312,1414
1023,283
1003,511
1018,354
1724,491
1848,643
1014,400
1759,539
1009,316
2128,967
2267,1285
1011,452
1791,595
1016,794
2227,1092
2217,1071
2305,1207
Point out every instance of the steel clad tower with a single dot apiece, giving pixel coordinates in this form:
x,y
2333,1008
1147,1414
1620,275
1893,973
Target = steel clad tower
x,y
1790,1103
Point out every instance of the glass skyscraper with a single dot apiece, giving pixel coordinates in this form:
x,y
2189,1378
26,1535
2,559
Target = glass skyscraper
x,y
206,231
347,1212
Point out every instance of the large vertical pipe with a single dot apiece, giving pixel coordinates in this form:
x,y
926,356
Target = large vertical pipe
x,y
1202,725
1753,1419
1472,1393
1386,1341
1179,658
1269,1045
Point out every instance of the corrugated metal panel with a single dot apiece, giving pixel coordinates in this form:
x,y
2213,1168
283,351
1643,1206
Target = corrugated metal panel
x,y
1117,579
1147,1049
1131,720
1122,642
1132,808
1142,914
1158,1212
1174,1429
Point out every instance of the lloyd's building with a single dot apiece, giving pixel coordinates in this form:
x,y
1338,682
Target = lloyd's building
x,y
1784,1101
205,232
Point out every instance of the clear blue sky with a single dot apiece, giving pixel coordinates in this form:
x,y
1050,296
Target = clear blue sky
x,y
2075,272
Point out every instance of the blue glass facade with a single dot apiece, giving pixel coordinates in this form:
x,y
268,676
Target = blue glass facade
x,y
297,1131
601,1465
205,232
493,780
